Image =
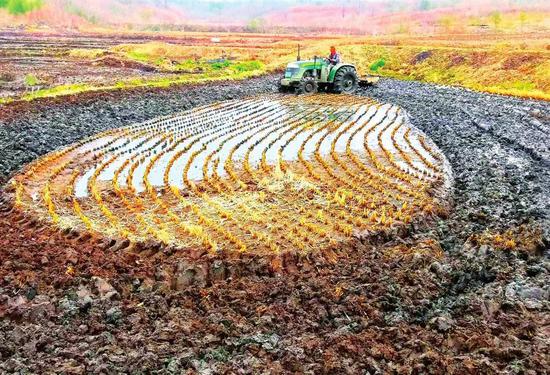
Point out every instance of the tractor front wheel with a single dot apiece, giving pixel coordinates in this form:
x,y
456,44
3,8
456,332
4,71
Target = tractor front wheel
x,y
345,80
284,89
308,85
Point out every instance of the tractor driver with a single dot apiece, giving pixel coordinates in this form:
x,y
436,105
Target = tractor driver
x,y
334,57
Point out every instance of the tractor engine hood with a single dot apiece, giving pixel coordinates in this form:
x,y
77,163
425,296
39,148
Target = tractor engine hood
x,y
296,69
305,63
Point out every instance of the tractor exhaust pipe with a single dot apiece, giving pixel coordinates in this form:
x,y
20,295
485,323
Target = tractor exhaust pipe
x,y
298,57
315,66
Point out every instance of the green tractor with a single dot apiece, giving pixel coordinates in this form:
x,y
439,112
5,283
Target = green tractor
x,y
311,76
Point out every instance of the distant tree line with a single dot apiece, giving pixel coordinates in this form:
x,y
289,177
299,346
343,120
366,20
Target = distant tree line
x,y
17,7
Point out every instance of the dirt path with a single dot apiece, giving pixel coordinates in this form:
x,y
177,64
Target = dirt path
x,y
78,305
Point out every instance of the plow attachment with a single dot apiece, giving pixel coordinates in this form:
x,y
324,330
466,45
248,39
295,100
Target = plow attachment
x,y
368,81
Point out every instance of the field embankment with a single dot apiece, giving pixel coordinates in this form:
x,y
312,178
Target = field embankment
x,y
45,65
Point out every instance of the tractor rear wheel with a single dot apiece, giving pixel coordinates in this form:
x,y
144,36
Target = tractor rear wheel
x,y
308,85
345,80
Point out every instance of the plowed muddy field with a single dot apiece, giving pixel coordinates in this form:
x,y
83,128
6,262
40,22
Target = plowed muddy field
x,y
410,222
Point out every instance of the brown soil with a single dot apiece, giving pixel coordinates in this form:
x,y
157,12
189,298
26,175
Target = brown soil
x,y
370,309
421,57
515,62
449,298
456,59
479,59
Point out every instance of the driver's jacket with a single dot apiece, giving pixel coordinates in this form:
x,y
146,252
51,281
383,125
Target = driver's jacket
x,y
334,58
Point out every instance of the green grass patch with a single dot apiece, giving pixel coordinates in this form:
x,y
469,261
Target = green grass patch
x,y
186,65
57,91
247,66
31,80
218,65
138,56
520,85
375,66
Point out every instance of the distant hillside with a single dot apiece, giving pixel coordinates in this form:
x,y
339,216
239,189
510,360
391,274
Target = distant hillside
x,y
82,13
362,16
380,17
